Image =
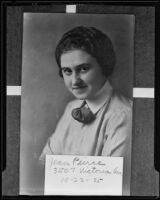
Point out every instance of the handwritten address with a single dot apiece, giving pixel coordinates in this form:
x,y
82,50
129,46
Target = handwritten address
x,y
83,166
83,175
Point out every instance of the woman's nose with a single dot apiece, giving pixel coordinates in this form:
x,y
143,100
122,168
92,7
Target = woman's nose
x,y
75,79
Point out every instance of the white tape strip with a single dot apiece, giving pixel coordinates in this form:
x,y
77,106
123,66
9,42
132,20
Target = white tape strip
x,y
70,8
13,90
143,92
137,92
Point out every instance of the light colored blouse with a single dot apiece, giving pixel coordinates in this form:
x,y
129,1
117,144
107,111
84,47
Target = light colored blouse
x,y
108,135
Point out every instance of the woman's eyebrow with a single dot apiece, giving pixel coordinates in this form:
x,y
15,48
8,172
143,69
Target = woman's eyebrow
x,y
82,65
77,66
63,68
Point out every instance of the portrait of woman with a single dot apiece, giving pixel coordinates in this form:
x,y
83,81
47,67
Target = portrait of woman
x,y
76,91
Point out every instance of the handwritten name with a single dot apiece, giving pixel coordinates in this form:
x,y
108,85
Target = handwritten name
x,y
54,162
79,162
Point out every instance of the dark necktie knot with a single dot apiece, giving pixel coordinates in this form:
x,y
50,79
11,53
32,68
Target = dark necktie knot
x,y
83,114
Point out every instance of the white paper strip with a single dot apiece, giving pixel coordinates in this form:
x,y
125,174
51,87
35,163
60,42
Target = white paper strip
x,y
13,90
137,92
143,92
70,8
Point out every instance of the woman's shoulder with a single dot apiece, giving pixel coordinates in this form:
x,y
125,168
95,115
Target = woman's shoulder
x,y
121,103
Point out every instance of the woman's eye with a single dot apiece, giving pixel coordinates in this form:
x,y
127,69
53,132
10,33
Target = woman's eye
x,y
84,69
67,71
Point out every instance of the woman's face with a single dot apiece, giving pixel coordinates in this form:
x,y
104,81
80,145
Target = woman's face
x,y
82,74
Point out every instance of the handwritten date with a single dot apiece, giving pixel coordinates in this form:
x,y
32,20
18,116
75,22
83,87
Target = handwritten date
x,y
81,180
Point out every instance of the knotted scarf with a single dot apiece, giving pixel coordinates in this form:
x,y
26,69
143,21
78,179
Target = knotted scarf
x,y
83,114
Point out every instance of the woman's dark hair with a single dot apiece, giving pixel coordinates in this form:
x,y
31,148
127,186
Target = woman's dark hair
x,y
91,40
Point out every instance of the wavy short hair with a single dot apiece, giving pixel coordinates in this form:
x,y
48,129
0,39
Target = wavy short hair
x,y
91,40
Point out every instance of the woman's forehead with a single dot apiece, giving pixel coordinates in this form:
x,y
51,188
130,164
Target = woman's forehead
x,y
75,57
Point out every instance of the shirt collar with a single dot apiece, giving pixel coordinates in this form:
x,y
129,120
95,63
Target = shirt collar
x,y
100,98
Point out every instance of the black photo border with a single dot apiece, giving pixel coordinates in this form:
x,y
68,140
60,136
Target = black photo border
x,y
60,6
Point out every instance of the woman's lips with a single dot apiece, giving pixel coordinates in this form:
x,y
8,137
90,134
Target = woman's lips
x,y
79,87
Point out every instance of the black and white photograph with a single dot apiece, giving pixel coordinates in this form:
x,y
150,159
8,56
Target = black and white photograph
x,y
79,110
77,89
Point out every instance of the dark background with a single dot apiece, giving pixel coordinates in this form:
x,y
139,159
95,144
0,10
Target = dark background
x,y
144,178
